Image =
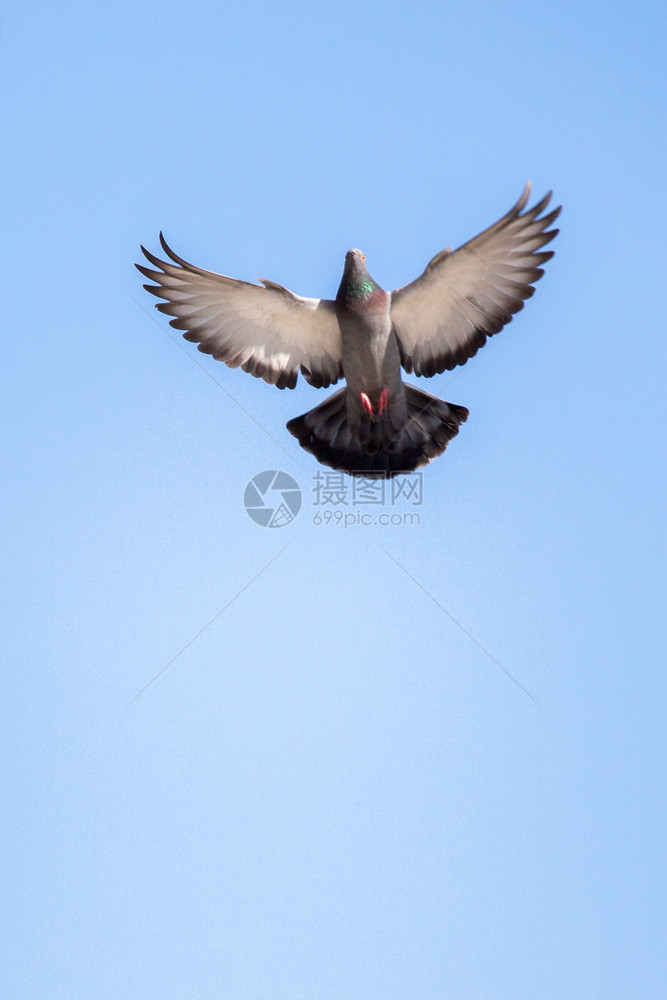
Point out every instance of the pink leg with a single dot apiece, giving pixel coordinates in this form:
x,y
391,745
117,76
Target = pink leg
x,y
366,403
382,402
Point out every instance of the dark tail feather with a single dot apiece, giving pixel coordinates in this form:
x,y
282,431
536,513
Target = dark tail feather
x,y
378,449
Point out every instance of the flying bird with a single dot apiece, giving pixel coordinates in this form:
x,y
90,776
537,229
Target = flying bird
x,y
377,425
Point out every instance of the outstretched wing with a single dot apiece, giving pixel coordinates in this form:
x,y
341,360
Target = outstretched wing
x,y
467,295
264,329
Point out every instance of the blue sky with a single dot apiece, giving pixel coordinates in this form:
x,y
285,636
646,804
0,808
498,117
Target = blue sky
x,y
335,791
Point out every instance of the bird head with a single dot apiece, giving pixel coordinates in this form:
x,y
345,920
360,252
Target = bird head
x,y
356,283
355,261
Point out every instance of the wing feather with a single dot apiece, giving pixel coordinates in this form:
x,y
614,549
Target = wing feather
x,y
264,329
463,297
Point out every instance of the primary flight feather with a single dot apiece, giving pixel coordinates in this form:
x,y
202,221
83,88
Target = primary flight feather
x,y
377,425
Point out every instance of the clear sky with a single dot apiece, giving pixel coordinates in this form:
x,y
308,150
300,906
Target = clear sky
x,y
335,792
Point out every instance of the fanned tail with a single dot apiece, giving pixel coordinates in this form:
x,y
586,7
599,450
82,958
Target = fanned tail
x,y
377,449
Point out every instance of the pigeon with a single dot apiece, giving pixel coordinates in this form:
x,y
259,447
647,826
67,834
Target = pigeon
x,y
377,425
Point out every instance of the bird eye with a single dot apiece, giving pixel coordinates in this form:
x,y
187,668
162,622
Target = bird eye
x,y
363,256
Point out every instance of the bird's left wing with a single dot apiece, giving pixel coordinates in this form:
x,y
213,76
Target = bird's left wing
x,y
467,295
265,329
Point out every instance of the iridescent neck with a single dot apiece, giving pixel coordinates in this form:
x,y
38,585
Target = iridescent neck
x,y
361,287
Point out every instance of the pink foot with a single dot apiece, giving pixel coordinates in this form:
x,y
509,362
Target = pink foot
x,y
366,403
382,402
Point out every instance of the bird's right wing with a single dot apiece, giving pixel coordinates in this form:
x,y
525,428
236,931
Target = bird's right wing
x,y
265,329
443,317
